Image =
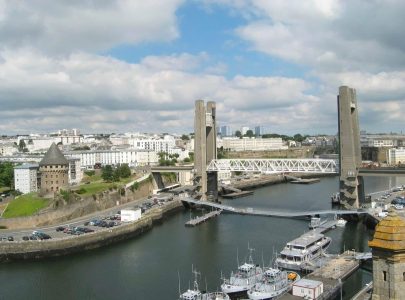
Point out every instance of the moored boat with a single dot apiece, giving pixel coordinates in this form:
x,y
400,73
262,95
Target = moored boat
x,y
245,278
274,283
303,250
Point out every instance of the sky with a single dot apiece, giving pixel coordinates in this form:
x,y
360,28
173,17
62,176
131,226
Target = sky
x,y
108,66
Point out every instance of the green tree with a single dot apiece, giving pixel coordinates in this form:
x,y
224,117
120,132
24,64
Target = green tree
x,y
238,133
22,147
185,137
6,174
187,160
299,138
249,133
107,173
124,171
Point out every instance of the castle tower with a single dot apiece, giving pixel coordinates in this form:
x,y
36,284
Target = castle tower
x,y
54,170
388,247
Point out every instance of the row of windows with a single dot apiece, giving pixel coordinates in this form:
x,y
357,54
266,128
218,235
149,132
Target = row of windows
x,y
56,182
385,276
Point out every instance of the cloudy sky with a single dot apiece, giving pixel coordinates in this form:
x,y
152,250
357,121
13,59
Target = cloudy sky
x,y
135,65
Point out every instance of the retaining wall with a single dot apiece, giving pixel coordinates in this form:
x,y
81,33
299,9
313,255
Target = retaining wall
x,y
21,250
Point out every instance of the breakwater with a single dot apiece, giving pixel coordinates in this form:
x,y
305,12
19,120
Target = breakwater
x,y
23,250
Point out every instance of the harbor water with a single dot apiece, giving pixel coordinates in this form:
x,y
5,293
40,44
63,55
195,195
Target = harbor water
x,y
152,266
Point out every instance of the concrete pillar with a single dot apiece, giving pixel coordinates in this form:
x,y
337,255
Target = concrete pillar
x,y
205,149
351,185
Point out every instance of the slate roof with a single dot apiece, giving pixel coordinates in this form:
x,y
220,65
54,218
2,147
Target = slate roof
x,y
53,157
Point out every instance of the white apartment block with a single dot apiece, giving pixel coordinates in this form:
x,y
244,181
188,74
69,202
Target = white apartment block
x,y
26,178
8,149
396,156
75,170
251,144
132,157
155,144
68,139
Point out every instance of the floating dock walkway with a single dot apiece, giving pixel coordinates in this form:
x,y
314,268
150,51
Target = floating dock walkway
x,y
198,220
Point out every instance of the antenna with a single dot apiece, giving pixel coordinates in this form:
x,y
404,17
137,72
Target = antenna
x,y
262,259
178,275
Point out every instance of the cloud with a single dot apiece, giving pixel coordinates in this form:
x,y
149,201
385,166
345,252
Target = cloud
x,y
60,27
96,91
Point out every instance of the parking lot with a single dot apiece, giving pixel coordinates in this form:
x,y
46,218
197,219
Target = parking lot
x,y
104,220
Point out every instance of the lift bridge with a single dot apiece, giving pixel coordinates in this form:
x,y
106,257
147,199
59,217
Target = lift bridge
x,y
274,166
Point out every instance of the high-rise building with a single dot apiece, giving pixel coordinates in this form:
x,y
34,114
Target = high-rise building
x,y
260,130
225,131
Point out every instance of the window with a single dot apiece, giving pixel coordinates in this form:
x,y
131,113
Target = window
x,y
403,276
385,275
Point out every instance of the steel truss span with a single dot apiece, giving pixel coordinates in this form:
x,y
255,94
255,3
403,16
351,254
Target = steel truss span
x,y
275,165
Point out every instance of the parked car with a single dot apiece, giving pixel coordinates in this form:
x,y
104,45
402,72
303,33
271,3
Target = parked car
x,y
87,230
33,238
25,238
86,223
10,238
60,228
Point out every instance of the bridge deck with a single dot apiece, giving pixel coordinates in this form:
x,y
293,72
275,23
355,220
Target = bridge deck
x,y
270,213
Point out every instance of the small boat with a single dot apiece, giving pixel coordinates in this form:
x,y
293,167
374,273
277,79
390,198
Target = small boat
x,y
196,294
341,222
245,278
275,283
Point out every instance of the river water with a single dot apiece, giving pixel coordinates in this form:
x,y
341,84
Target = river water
x,y
149,267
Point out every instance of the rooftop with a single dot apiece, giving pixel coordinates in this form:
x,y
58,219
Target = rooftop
x,y
27,166
389,233
53,157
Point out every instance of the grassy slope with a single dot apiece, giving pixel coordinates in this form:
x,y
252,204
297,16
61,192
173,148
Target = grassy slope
x,y
25,205
97,185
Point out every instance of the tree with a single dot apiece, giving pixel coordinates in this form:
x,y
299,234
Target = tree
x,y
107,173
249,133
298,137
6,175
185,137
22,147
124,171
238,133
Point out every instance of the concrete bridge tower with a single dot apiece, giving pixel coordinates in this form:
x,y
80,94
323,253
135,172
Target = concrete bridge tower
x,y
351,184
205,149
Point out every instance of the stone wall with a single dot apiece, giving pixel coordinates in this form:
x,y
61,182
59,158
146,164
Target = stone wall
x,y
84,207
20,250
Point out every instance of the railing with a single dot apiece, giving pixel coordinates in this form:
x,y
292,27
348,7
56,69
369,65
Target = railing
x,y
275,165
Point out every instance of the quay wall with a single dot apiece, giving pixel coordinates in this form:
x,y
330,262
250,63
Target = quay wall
x,y
273,179
24,250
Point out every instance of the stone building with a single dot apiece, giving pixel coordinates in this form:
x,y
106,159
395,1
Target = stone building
x,y
388,248
54,169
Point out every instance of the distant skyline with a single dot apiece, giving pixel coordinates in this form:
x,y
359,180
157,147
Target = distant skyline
x,y
127,66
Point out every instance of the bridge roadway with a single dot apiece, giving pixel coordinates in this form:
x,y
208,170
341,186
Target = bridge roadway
x,y
271,213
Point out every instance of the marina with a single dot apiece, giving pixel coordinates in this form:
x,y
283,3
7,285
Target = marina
x,y
212,247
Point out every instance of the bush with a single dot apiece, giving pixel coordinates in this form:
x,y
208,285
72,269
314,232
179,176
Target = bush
x,y
81,191
90,173
3,227
135,186
94,197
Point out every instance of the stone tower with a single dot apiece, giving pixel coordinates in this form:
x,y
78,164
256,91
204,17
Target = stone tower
x,y
351,184
54,171
388,247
